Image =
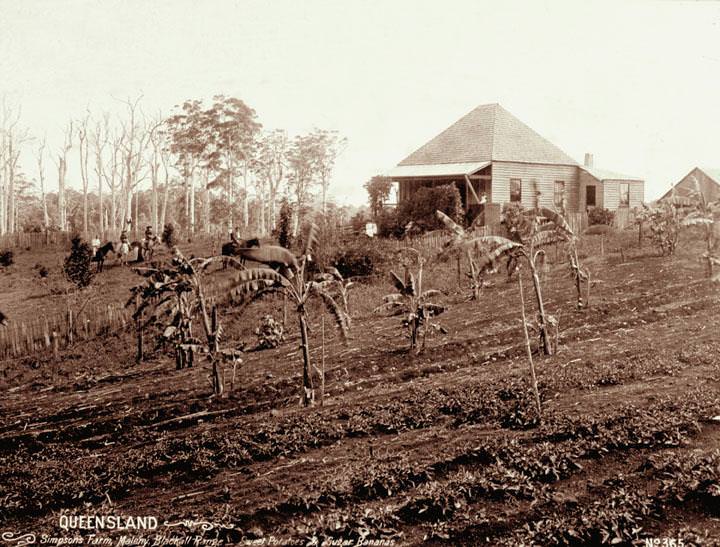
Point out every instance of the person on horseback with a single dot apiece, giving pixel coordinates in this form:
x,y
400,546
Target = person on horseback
x,y
234,238
149,240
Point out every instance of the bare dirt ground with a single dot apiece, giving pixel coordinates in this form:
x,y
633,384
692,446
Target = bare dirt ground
x,y
440,448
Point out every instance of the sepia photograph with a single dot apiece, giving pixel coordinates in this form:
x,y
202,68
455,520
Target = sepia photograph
x,y
359,273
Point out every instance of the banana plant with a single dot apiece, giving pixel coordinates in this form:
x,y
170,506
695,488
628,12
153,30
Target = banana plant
x,y
481,251
288,274
333,281
704,214
534,229
174,295
412,302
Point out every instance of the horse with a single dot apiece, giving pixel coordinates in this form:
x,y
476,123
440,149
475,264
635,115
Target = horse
x,y
234,248
140,246
101,253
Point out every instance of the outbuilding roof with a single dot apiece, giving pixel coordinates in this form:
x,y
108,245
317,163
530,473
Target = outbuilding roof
x,y
488,133
604,174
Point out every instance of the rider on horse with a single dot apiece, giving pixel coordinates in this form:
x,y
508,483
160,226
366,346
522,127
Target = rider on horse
x,y
149,240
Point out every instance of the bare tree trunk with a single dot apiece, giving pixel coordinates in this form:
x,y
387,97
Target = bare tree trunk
x,y
83,146
163,212
191,193
41,177
11,187
206,201
246,209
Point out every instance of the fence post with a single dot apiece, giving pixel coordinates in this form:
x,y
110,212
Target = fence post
x,y
138,327
56,349
71,336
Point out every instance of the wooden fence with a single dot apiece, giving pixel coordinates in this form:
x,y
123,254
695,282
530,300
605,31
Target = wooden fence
x,y
52,333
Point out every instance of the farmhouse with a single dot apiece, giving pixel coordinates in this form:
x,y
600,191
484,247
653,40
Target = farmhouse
x,y
708,178
494,158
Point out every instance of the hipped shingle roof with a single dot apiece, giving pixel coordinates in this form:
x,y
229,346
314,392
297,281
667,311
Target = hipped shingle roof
x,y
488,133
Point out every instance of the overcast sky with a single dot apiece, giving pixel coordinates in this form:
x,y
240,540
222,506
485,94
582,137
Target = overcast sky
x,y
636,83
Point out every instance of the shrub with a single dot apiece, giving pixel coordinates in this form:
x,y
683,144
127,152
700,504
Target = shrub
x,y
598,215
77,264
6,258
421,206
283,231
362,256
389,225
169,237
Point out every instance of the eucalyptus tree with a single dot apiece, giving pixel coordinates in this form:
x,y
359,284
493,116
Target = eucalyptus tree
x,y
233,132
270,166
326,147
187,144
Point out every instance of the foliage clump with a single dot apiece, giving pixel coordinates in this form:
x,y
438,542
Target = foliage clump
x,y
420,208
598,215
6,258
77,264
270,333
361,257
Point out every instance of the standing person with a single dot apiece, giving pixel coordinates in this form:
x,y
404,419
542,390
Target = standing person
x,y
124,247
95,244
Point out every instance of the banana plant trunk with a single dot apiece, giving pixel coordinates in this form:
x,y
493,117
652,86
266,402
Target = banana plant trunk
x,y
307,391
476,281
542,323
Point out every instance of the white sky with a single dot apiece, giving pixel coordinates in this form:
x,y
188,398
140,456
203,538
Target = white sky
x,y
636,83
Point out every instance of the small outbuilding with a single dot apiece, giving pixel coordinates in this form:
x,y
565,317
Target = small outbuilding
x,y
609,190
708,178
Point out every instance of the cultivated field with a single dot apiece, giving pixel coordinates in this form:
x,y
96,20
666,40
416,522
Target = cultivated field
x,y
439,448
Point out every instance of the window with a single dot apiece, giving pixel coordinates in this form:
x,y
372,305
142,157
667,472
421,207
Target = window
x,y
559,198
590,196
515,190
624,194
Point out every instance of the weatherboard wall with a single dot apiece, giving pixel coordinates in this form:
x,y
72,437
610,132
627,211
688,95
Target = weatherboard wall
x,y
535,178
611,193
